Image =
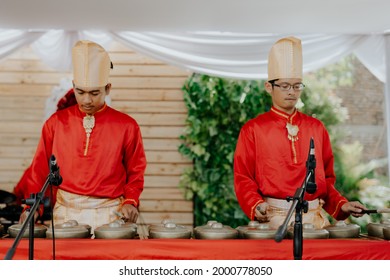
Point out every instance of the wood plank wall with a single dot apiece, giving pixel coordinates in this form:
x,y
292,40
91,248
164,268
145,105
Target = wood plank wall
x,y
146,89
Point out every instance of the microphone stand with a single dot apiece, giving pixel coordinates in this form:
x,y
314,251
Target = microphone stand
x,y
299,204
35,200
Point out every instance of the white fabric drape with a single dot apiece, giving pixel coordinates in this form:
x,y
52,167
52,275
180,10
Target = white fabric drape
x,y
372,54
229,55
241,56
11,40
55,47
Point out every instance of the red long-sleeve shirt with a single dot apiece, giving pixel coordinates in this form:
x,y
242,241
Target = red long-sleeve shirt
x,y
114,162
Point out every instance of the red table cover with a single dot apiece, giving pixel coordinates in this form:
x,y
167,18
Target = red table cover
x,y
193,249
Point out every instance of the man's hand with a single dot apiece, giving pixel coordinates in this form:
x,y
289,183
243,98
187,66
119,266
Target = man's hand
x,y
130,213
25,214
261,212
353,208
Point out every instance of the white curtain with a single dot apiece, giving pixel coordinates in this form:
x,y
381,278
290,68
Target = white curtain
x,y
372,54
230,55
241,56
11,40
55,47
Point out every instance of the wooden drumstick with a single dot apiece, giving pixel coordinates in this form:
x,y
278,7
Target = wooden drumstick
x,y
373,211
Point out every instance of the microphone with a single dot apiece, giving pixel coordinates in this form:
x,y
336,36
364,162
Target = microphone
x,y
56,178
311,186
53,164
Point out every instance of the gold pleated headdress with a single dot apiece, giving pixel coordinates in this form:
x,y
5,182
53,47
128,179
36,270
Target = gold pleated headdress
x,y
285,59
91,64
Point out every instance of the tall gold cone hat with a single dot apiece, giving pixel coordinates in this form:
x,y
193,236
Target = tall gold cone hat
x,y
91,64
285,59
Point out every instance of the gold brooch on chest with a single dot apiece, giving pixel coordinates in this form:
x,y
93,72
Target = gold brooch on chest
x,y
88,124
292,132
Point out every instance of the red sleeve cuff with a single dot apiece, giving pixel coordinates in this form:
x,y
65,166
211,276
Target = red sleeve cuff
x,y
338,214
253,210
130,201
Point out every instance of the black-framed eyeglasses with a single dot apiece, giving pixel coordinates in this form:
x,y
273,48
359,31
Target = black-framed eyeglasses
x,y
287,86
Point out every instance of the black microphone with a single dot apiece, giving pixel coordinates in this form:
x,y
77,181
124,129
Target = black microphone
x,y
311,186
56,178
53,164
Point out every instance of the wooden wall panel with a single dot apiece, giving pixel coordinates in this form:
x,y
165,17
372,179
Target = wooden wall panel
x,y
146,89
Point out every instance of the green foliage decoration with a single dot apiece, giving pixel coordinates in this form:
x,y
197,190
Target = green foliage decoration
x,y
217,109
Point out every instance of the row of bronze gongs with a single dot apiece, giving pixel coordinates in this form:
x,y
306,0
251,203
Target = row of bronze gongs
x,y
212,230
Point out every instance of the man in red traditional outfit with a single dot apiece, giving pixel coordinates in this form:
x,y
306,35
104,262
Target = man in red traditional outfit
x,y
99,150
272,150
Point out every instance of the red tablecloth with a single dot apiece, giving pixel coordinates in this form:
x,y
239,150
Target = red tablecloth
x,y
192,249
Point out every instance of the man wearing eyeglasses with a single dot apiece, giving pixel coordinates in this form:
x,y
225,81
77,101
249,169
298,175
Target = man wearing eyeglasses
x,y
272,150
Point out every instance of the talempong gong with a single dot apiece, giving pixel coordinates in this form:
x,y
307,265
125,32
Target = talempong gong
x,y
386,233
69,229
262,231
170,230
207,225
118,229
343,230
160,225
309,232
217,231
241,229
376,229
39,230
